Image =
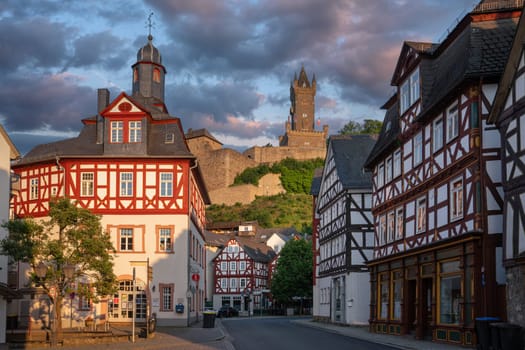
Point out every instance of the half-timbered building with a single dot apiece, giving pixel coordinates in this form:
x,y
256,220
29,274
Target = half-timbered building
x,y
314,191
345,234
131,165
242,273
508,113
437,199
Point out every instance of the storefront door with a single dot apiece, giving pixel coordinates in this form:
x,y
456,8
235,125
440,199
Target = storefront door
x,y
120,308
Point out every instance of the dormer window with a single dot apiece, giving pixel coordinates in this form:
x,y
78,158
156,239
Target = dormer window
x,y
409,91
117,129
135,131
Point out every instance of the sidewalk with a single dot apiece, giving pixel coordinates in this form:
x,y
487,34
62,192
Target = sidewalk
x,y
401,342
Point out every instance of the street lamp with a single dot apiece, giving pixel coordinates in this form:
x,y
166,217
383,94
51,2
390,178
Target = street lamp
x,y
41,270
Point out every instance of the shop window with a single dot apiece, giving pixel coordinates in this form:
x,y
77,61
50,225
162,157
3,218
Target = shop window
x,y
397,294
450,292
383,296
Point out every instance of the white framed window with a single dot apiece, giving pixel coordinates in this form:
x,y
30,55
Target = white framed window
x,y
87,184
224,283
165,239
224,266
414,86
242,265
409,91
437,135
418,148
33,190
242,283
126,239
126,184
391,226
166,296
452,123
135,131
405,96
456,199
166,184
380,175
397,163
233,283
382,229
388,169
233,266
117,130
400,223
421,215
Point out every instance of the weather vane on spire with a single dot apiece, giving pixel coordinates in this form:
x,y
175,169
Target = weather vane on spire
x,y
150,24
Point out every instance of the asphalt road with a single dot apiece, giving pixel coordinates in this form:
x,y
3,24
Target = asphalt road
x,y
280,333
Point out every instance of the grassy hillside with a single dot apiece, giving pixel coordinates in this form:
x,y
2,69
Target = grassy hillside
x,y
282,210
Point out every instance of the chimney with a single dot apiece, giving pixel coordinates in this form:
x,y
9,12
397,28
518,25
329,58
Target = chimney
x,y
102,103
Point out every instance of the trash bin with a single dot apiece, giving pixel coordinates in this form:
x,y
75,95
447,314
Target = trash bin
x,y
509,336
483,331
209,319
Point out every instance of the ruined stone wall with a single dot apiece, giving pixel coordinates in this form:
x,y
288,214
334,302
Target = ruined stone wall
x,y
269,185
220,167
270,155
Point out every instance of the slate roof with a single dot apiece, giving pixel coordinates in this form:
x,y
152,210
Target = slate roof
x,y
256,250
473,50
85,144
350,152
388,137
316,182
505,84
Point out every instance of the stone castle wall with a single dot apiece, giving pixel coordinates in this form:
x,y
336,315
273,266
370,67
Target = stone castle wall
x,y
269,185
271,155
220,167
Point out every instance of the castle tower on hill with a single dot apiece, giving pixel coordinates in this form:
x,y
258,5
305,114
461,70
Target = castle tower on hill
x,y
300,127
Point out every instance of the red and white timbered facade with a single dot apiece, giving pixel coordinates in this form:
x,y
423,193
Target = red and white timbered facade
x,y
131,165
242,275
438,194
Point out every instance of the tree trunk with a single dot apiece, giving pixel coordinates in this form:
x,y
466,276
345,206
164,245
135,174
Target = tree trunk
x,y
56,335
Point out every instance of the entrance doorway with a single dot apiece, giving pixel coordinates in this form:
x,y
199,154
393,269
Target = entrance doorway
x,y
426,306
120,308
411,299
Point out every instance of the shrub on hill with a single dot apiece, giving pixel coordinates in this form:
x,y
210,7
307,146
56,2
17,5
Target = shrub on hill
x,y
296,175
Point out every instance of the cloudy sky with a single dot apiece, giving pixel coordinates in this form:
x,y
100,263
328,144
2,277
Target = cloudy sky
x,y
229,62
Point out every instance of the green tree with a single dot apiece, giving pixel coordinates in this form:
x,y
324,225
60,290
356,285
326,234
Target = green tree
x,y
293,274
69,245
369,126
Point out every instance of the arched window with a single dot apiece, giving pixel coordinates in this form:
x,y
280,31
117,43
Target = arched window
x,y
156,75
